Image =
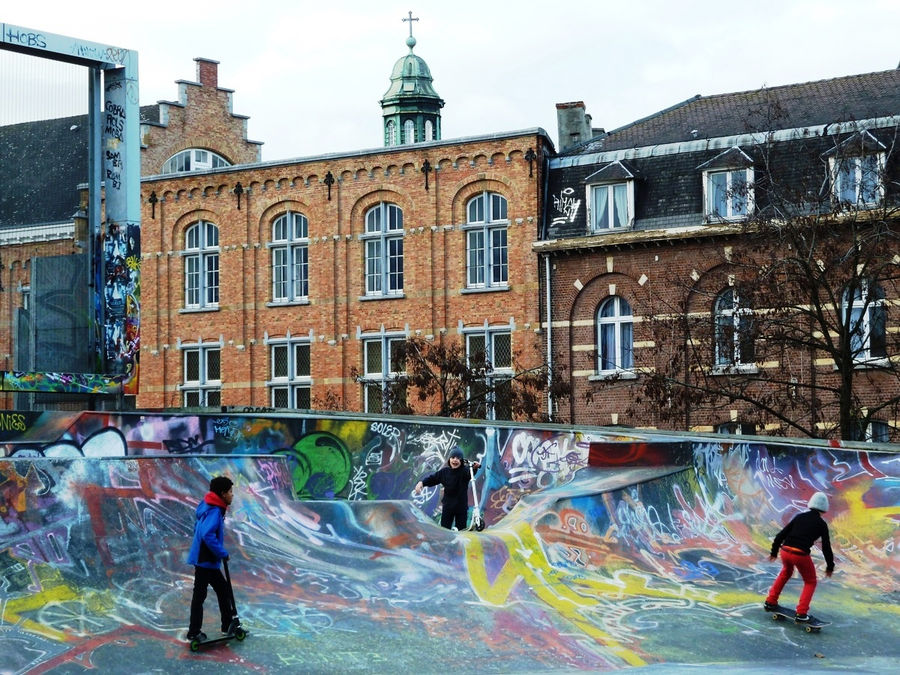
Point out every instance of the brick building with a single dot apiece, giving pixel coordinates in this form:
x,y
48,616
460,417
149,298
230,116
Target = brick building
x,y
668,244
45,301
291,283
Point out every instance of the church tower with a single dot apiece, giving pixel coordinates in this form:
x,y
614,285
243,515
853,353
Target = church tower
x,y
411,108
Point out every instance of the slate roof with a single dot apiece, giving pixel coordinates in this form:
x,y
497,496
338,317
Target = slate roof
x,y
41,165
841,99
668,192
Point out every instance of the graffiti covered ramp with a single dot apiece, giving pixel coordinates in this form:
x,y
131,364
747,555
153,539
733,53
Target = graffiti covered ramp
x,y
659,566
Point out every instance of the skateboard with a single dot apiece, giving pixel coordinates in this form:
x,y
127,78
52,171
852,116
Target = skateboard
x,y
814,625
235,630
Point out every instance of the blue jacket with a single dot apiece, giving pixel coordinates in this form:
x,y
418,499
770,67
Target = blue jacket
x,y
208,547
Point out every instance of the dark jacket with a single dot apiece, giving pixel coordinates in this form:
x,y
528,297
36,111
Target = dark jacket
x,y
802,532
456,485
208,547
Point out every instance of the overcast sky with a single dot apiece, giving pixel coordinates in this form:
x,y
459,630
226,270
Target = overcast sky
x,y
310,75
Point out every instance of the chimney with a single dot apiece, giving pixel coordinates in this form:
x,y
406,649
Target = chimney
x,y
573,124
207,72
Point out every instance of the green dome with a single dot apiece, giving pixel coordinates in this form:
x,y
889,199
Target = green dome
x,y
410,78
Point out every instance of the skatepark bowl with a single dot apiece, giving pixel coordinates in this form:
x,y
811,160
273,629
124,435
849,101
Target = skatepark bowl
x,y
605,549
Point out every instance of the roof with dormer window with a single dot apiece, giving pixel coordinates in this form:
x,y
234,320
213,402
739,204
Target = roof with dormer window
x,y
614,171
842,99
860,143
733,158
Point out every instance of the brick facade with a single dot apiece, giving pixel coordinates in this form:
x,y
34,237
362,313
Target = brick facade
x,y
670,259
435,300
202,117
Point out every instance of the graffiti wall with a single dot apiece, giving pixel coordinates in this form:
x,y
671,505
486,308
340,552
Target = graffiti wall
x,y
355,458
600,553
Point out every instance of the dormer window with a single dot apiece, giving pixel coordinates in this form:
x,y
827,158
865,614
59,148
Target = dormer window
x,y
857,170
610,198
728,186
194,159
857,180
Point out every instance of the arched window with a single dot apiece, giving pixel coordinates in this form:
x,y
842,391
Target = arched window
x,y
615,335
734,330
867,321
429,130
487,263
201,265
383,252
409,132
391,131
194,159
290,257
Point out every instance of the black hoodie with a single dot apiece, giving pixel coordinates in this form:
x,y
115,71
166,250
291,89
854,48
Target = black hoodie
x,y
456,485
802,532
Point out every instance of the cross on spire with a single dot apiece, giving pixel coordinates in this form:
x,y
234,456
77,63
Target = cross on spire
x,y
410,19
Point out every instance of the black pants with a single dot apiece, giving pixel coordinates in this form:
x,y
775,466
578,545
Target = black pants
x,y
448,516
203,578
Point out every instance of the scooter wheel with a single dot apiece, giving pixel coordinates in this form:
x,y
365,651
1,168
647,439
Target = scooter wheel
x,y
479,526
195,645
240,634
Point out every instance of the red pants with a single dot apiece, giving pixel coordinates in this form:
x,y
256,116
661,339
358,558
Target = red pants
x,y
804,565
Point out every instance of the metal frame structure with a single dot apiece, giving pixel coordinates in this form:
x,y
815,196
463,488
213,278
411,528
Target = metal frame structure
x,y
114,168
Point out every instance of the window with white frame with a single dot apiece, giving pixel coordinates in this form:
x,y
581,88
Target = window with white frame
x,y
290,371
202,377
734,340
873,432
194,159
487,257
409,132
383,247
491,349
615,336
611,206
857,180
290,257
382,365
201,266
865,309
729,194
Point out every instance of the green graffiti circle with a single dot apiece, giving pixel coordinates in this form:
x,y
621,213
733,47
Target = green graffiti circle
x,y
329,465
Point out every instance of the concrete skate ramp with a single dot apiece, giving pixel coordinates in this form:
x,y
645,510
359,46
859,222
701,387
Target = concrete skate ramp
x,y
662,565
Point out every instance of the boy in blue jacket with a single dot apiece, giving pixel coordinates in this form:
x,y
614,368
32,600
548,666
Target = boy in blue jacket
x,y
207,553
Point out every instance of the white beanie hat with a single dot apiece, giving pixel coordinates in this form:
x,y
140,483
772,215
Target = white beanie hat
x,y
819,502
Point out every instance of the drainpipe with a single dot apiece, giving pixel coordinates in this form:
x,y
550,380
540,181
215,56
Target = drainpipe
x,y
549,338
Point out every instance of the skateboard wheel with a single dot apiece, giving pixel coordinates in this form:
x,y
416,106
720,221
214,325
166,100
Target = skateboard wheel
x,y
775,617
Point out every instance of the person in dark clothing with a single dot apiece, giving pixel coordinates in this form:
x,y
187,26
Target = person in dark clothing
x,y
795,542
455,479
207,553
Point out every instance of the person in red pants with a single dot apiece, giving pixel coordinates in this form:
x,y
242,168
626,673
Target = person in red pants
x,y
795,542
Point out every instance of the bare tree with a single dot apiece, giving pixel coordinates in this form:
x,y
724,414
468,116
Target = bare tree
x,y
795,320
442,378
